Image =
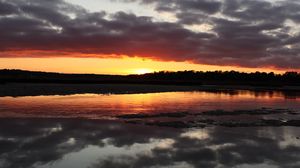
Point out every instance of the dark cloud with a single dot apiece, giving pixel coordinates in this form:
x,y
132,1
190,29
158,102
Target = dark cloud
x,y
7,8
248,33
205,6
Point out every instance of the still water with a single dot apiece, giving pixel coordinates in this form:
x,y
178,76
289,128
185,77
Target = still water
x,y
62,131
106,105
73,143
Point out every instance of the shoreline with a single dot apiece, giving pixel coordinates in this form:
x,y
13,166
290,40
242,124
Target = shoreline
x,y
35,89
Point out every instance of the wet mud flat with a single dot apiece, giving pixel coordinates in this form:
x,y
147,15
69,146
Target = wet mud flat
x,y
263,117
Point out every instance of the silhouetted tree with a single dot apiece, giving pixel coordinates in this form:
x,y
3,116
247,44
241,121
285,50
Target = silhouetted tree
x,y
161,77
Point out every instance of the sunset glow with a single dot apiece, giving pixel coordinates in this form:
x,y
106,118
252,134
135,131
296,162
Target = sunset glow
x,y
121,66
115,37
142,71
149,83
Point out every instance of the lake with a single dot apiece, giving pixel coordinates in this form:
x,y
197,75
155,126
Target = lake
x,y
106,105
140,129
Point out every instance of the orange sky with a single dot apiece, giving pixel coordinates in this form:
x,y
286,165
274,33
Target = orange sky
x,y
111,65
140,36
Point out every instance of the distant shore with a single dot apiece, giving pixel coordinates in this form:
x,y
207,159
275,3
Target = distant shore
x,y
286,81
31,83
35,89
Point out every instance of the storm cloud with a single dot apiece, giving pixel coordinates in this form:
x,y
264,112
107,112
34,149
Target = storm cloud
x,y
247,33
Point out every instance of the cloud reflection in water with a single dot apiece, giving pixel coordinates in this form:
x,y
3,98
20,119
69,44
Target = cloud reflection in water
x,y
45,143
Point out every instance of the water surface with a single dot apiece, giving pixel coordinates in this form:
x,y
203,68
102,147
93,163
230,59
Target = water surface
x,y
106,105
61,143
72,130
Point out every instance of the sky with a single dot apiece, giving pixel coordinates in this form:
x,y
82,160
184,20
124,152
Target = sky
x,y
139,36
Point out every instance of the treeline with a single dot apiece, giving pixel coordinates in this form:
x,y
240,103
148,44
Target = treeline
x,y
227,77
7,75
163,77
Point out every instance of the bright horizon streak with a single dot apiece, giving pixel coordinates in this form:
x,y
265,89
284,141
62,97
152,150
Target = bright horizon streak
x,y
114,66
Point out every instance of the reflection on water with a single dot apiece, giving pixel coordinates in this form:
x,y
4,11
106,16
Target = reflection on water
x,y
60,143
55,142
103,105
